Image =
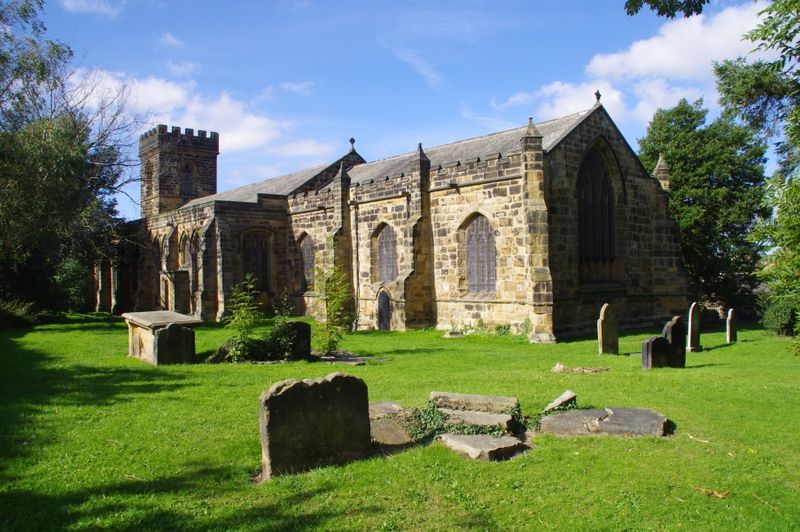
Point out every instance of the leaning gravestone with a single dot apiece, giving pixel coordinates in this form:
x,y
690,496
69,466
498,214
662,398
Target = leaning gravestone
x,y
675,333
607,331
694,329
656,352
310,423
730,327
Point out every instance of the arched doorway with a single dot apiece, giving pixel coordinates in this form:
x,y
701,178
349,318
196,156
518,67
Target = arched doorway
x,y
384,311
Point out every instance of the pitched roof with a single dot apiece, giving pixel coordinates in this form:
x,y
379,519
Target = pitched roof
x,y
281,185
503,142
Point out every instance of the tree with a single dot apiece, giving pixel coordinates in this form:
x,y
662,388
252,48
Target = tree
x,y
667,8
716,198
61,161
766,95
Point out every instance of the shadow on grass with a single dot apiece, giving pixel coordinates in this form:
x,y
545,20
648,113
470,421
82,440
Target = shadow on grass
x,y
32,380
145,505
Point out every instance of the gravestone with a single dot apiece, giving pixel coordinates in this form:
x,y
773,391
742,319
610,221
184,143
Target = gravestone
x,y
301,347
694,329
656,352
607,331
730,327
173,344
675,333
313,422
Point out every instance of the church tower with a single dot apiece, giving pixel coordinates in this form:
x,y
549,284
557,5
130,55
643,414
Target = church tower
x,y
176,167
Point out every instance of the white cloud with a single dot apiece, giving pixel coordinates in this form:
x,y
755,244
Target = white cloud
x,y
684,48
239,128
559,99
298,87
654,94
489,122
168,39
182,69
422,67
98,7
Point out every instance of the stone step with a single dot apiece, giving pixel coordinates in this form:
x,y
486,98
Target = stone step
x,y
389,432
478,403
479,419
483,446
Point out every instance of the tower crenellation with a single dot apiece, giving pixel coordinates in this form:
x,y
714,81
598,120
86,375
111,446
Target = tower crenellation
x,y
178,165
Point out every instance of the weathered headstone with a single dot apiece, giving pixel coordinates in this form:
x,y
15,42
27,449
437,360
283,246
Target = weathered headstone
x,y
607,331
301,347
173,344
656,352
675,333
730,327
310,423
694,329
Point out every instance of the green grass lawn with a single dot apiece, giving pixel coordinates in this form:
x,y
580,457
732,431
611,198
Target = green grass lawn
x,y
90,438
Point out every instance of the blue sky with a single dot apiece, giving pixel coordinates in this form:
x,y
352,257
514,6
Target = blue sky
x,y
286,83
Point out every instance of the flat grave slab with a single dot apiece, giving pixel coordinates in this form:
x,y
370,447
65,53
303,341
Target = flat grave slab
x,y
610,420
484,446
478,419
480,403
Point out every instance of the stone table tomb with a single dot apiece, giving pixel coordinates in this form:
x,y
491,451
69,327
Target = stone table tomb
x,y
161,337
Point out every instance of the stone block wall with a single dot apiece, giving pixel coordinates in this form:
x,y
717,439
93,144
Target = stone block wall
x,y
495,188
648,280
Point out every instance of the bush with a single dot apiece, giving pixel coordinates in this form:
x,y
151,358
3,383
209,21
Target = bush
x,y
780,313
244,309
15,313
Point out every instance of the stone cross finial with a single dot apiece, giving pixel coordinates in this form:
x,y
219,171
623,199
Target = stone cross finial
x,y
352,144
597,95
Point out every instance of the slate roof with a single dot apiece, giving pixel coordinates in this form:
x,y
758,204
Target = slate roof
x,y
281,185
504,142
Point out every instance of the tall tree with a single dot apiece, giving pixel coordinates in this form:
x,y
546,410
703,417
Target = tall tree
x,y
60,163
716,178
766,95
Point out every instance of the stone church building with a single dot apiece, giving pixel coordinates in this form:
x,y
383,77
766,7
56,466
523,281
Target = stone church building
x,y
535,228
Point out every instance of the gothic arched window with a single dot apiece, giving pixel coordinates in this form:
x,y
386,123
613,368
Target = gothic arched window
x,y
387,254
255,258
481,255
595,218
307,255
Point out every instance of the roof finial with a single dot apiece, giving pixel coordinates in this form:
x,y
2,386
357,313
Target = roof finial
x,y
532,131
352,144
597,95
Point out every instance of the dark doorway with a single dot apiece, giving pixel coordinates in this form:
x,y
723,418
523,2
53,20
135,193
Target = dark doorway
x,y
384,312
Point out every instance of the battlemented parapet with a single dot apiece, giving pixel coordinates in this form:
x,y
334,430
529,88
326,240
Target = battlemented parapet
x,y
177,167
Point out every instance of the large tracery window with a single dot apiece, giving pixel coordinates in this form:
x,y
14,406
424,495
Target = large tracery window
x,y
481,256
307,255
255,258
387,254
595,219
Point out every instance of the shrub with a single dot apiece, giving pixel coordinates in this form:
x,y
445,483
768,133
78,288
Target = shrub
x,y
244,309
15,313
780,313
334,289
280,339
